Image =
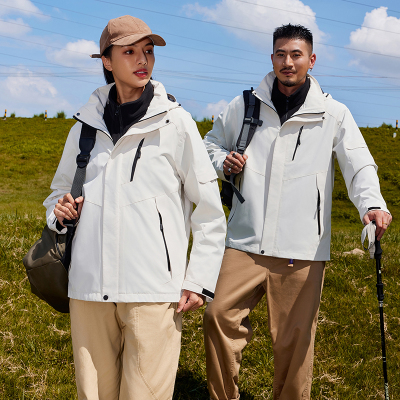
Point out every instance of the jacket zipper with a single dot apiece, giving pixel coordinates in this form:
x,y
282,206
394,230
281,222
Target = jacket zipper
x,y
165,242
298,142
137,156
319,213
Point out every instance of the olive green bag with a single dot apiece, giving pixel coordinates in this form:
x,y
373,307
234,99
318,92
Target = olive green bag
x,y
47,261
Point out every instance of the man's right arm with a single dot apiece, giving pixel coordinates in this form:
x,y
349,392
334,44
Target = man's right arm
x,y
221,140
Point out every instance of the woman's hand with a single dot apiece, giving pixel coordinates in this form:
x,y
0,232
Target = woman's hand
x,y
68,208
234,163
190,301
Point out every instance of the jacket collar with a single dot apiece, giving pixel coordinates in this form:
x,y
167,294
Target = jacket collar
x,y
313,104
92,112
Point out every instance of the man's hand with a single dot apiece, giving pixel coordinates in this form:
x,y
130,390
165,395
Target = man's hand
x,y
382,220
234,163
190,301
66,208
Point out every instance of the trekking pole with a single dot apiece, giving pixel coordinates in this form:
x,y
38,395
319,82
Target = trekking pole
x,y
375,251
379,288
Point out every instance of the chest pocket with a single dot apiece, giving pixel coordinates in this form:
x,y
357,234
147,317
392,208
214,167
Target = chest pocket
x,y
308,151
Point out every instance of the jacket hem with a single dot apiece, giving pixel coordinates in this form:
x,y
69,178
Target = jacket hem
x,y
278,254
127,298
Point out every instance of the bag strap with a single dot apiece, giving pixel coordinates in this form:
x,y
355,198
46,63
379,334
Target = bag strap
x,y
86,144
87,141
250,122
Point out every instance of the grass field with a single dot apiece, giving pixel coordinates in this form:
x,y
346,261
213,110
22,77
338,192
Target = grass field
x,y
35,348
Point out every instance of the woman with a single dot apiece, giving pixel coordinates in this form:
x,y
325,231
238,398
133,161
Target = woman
x,y
129,279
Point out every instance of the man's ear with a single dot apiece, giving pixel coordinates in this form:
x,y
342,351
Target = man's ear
x,y
106,63
313,58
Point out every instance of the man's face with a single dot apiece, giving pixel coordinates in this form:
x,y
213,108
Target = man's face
x,y
291,60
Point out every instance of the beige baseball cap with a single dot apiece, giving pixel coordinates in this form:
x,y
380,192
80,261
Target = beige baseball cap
x,y
126,30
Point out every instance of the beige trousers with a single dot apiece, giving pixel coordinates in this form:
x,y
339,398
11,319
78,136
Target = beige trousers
x,y
125,351
293,298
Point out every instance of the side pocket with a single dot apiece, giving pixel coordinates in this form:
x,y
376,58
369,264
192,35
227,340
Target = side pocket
x,y
321,182
135,160
319,212
165,242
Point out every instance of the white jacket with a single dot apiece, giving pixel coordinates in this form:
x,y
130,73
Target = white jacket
x,y
287,208
119,252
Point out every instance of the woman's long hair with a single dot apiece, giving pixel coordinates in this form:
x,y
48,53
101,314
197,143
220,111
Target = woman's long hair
x,y
108,75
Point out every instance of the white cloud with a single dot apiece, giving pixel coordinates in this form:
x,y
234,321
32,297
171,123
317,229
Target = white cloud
x,y
24,7
75,54
215,108
14,27
377,41
259,18
24,91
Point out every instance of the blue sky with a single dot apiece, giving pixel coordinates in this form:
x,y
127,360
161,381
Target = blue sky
x,y
215,50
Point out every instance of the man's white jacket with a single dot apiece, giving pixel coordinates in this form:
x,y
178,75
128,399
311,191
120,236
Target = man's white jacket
x,y
287,181
131,241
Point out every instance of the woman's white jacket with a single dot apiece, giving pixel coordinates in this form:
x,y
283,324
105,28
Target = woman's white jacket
x,y
287,181
131,241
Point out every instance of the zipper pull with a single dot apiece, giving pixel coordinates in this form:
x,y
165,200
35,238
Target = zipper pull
x,y
298,137
161,225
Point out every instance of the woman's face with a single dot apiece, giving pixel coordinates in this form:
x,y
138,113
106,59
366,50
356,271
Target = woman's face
x,y
131,65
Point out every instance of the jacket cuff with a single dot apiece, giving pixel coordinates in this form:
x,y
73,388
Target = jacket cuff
x,y
365,210
54,225
194,287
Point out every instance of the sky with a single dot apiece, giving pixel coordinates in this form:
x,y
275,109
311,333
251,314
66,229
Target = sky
x,y
214,51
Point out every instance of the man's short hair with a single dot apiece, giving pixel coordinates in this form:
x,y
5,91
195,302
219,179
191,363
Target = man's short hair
x,y
290,31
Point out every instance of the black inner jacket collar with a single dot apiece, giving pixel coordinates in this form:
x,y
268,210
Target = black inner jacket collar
x,y
120,117
287,106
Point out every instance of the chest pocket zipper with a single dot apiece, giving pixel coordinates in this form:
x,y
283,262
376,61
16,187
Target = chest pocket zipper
x,y
165,242
298,143
137,156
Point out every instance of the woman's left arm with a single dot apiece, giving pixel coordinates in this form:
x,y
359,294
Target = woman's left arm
x,y
208,222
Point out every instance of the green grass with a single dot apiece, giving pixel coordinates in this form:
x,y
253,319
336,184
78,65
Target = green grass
x,y
35,347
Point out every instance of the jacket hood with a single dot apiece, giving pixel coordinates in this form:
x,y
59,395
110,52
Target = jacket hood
x,y
314,103
92,112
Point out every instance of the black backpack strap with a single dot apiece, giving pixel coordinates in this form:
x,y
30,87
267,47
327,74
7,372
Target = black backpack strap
x,y
87,141
86,144
250,122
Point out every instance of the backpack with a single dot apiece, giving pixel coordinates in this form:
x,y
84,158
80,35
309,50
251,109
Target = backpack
x,y
250,122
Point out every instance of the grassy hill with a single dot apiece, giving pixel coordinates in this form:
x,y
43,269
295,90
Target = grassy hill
x,y
35,348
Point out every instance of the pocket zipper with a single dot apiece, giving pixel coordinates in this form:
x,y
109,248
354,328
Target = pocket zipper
x,y
319,213
137,156
298,142
165,242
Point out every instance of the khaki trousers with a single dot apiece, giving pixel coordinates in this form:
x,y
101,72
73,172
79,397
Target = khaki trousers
x,y
293,298
125,351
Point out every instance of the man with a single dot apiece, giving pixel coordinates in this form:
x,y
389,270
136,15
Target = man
x,y
279,238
